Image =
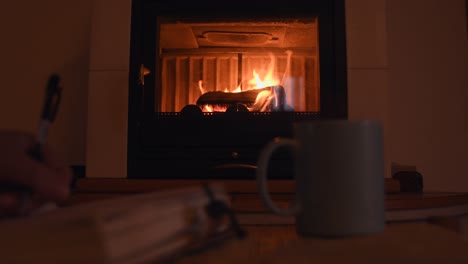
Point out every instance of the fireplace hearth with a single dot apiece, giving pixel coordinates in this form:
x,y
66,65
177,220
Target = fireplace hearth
x,y
211,85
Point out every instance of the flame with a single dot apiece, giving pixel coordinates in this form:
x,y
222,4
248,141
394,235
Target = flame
x,y
237,90
264,98
262,101
207,108
268,80
258,81
214,108
200,86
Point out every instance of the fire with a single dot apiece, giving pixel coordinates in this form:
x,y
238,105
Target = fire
x,y
268,80
200,86
264,98
262,102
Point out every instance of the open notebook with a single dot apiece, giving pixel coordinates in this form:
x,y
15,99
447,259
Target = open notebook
x,y
139,228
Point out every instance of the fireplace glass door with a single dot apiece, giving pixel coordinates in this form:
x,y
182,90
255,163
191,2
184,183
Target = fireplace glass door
x,y
210,85
267,65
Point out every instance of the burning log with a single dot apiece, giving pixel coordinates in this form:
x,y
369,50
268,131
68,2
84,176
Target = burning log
x,y
236,108
263,99
225,98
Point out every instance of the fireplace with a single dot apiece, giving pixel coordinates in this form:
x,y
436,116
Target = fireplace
x,y
210,85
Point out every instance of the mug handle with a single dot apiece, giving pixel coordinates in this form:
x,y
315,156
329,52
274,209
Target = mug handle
x,y
262,169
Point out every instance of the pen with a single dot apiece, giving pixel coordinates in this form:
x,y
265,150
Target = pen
x,y
48,114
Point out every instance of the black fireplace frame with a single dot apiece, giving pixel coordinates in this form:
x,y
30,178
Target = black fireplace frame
x,y
143,158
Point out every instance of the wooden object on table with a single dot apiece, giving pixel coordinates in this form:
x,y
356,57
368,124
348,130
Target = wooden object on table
x,y
131,229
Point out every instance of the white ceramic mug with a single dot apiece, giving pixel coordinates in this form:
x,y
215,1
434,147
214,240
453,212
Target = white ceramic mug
x,y
339,173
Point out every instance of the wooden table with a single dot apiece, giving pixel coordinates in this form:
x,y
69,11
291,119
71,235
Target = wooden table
x,y
445,209
399,243
421,227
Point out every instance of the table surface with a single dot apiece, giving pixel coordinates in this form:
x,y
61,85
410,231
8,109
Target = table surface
x,y
244,193
399,243
402,241
246,202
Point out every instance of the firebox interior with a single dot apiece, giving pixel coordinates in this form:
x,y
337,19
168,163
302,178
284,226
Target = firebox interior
x,y
231,58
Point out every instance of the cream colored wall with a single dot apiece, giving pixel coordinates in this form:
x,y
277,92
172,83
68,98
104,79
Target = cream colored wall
x,y
366,40
407,66
428,73
38,38
106,155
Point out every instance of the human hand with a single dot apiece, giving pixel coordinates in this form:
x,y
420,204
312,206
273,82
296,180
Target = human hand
x,y
48,180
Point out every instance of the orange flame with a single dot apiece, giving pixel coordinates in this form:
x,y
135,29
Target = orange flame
x,y
264,98
268,80
200,86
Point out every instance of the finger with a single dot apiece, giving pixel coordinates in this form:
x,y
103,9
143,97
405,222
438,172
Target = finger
x,y
51,159
30,203
15,158
59,173
45,182
22,139
43,208
56,162
9,203
49,179
19,204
